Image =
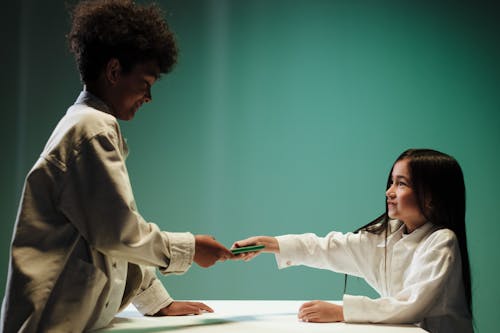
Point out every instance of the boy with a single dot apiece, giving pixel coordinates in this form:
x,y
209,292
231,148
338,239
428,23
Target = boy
x,y
80,250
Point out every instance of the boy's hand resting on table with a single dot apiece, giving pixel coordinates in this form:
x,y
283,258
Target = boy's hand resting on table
x,y
321,312
271,245
208,251
183,309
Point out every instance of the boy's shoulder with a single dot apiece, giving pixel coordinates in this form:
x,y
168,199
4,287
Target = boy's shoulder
x,y
76,129
88,121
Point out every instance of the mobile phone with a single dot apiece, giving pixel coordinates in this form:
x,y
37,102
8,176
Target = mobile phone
x,y
245,249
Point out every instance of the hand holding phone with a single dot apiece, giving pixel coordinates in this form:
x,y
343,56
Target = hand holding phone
x,y
246,249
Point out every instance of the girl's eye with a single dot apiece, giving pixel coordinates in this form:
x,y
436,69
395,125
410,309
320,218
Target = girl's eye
x,y
401,184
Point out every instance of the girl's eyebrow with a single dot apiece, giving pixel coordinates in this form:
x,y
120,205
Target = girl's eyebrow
x,y
398,177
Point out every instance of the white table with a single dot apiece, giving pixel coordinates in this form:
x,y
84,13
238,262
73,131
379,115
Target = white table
x,y
243,317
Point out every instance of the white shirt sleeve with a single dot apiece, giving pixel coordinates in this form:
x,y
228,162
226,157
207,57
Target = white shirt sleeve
x,y
426,276
344,253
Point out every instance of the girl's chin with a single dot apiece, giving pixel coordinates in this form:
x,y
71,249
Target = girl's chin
x,y
391,215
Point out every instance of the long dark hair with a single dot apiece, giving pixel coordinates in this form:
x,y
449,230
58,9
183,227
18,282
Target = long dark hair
x,y
439,186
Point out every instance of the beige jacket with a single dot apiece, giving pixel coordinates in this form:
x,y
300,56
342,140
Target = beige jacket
x,y
80,247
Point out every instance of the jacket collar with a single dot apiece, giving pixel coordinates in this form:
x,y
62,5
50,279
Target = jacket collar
x,y
93,101
88,99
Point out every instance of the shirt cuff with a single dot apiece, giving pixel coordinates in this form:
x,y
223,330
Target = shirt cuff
x,y
288,252
153,299
181,252
354,309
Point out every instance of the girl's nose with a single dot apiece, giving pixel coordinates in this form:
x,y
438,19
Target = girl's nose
x,y
390,193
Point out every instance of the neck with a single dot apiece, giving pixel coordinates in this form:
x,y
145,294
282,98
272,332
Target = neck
x,y
98,89
95,89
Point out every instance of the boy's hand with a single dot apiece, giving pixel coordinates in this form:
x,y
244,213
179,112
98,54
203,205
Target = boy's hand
x,y
208,251
183,309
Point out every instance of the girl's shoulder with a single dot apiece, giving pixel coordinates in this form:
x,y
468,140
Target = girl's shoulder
x,y
441,238
442,233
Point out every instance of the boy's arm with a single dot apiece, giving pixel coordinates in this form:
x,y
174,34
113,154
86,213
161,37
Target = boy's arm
x,y
99,202
154,300
152,295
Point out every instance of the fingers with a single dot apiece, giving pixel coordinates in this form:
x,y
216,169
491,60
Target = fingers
x,y
248,256
197,308
270,246
208,251
270,243
184,308
204,307
225,253
308,312
320,311
189,309
245,242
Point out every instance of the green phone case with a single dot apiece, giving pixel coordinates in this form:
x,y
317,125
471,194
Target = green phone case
x,y
246,249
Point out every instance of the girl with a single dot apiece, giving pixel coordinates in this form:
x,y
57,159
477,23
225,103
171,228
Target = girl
x,y
414,255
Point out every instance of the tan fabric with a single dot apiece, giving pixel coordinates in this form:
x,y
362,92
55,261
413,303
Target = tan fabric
x,y
80,247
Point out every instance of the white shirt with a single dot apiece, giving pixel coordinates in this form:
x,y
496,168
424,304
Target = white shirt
x,y
419,281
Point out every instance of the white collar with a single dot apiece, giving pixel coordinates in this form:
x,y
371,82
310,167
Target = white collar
x,y
414,237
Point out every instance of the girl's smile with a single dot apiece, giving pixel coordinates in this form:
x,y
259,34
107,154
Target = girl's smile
x,y
401,199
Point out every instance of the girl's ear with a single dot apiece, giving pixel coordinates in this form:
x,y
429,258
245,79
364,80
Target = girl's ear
x,y
113,70
429,205
426,203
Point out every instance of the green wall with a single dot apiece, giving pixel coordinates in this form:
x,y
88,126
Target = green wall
x,y
281,117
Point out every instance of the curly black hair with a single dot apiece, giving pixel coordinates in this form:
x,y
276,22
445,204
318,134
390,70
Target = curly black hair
x,y
121,29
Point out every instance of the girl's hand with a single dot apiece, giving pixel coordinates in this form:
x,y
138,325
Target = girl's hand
x,y
183,309
270,243
321,312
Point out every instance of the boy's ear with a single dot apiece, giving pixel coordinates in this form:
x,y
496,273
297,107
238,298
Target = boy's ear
x,y
113,70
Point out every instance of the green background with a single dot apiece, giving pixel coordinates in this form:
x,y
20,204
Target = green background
x,y
280,117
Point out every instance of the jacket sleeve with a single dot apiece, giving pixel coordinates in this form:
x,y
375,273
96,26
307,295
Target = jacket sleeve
x,y
97,199
426,277
349,253
152,296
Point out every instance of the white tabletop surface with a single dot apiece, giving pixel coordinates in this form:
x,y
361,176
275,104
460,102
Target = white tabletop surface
x,y
242,316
